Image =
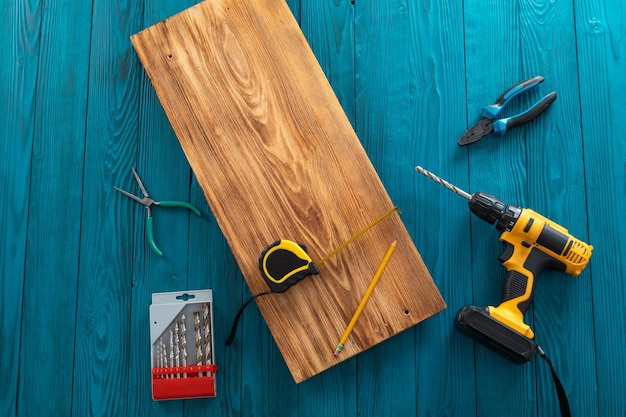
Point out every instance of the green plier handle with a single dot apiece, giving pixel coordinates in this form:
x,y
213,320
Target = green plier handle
x,y
180,204
150,227
150,233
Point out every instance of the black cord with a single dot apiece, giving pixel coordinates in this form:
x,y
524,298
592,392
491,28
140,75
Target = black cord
x,y
560,391
233,329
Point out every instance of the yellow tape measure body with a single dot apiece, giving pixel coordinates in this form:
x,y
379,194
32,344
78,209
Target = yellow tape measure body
x,y
283,263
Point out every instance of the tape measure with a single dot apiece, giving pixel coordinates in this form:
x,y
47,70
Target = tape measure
x,y
284,263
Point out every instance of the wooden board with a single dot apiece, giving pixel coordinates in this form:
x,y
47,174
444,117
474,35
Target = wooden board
x,y
278,159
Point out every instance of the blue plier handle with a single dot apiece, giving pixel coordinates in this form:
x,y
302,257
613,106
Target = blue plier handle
x,y
489,123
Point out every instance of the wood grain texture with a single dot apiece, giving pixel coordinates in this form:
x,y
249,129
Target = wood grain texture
x,y
329,30
256,346
271,147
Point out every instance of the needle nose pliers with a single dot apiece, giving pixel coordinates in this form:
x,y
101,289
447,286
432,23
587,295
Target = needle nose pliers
x,y
487,124
148,201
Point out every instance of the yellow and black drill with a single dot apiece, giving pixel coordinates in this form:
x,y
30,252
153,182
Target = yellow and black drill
x,y
532,243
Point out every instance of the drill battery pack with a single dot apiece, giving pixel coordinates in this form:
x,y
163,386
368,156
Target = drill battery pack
x,y
476,322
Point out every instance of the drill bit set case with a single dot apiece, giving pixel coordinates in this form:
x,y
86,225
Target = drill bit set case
x,y
181,345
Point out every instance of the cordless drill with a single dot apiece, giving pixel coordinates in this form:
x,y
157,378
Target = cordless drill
x,y
532,243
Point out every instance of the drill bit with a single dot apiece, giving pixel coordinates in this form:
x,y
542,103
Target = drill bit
x,y
207,334
171,364
196,330
443,182
158,354
176,347
183,341
162,348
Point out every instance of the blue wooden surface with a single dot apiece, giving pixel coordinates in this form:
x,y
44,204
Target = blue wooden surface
x,y
77,274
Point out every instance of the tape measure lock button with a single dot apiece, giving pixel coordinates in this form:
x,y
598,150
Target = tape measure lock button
x,y
284,263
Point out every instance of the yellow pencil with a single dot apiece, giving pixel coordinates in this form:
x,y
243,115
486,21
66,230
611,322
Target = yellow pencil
x,y
366,297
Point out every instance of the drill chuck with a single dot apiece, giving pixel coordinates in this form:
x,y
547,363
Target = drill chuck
x,y
492,210
486,206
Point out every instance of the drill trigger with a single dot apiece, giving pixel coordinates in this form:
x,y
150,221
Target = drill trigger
x,y
508,252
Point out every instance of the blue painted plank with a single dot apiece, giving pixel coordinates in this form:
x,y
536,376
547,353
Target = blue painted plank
x,y
555,188
56,195
329,29
267,385
20,29
437,217
387,383
496,166
601,46
103,330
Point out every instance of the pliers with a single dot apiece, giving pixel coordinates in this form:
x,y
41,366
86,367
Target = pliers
x,y
487,124
147,201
